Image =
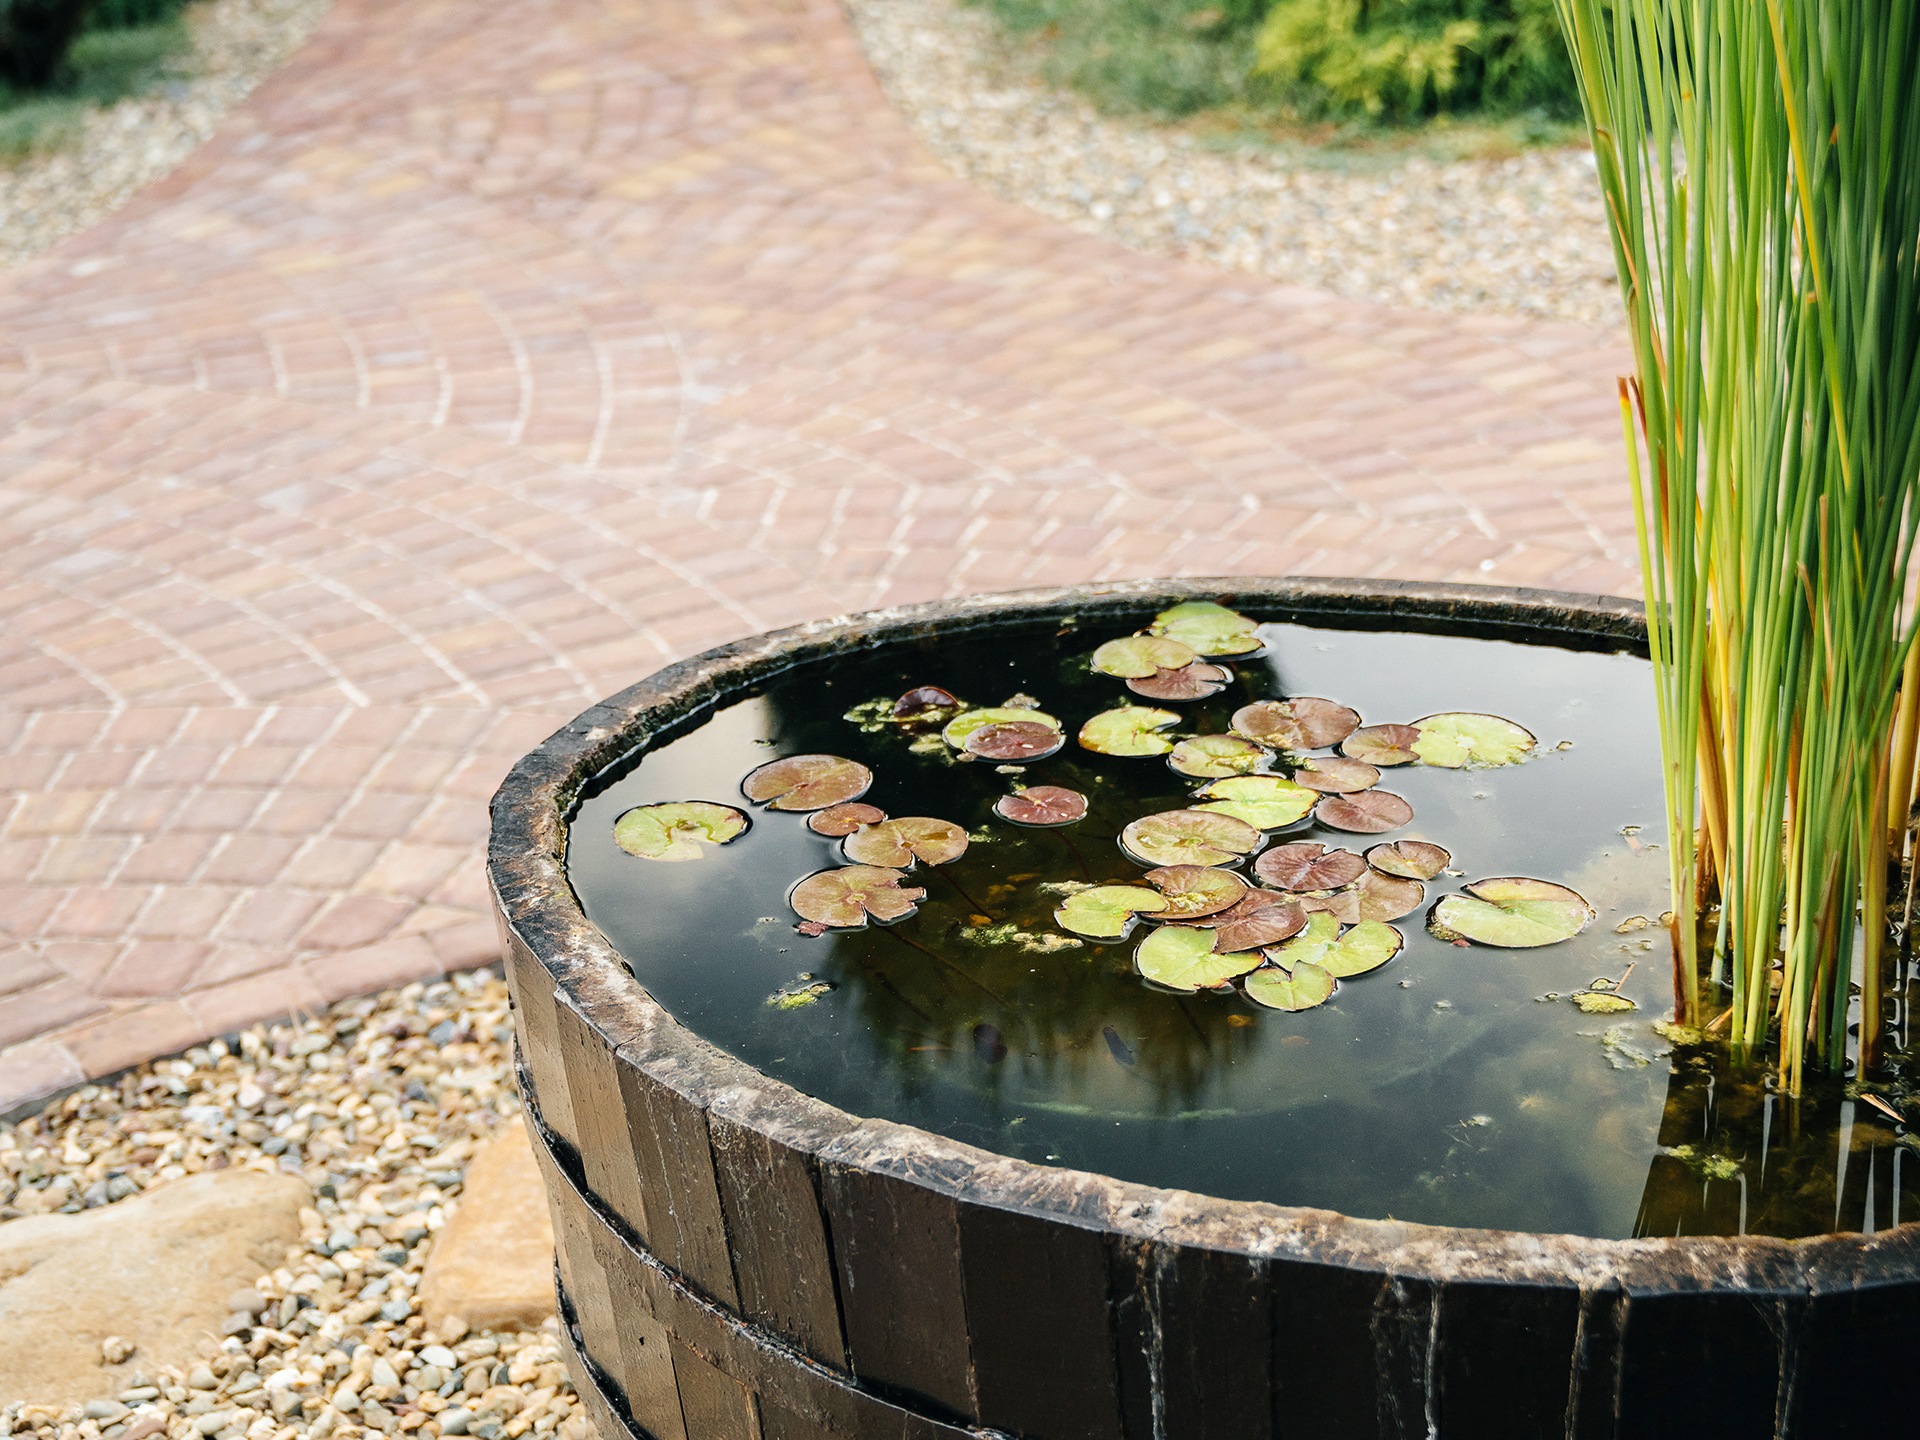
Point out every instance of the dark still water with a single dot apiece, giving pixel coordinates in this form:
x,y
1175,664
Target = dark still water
x,y
1457,1084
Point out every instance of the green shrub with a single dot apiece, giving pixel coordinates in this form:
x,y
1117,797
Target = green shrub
x,y
1402,59
34,38
133,14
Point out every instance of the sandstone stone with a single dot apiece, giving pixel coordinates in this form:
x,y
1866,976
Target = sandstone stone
x,y
153,1272
492,1263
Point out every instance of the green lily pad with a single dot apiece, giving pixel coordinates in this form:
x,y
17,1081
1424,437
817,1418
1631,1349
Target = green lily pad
x,y
807,782
1134,657
1128,730
1382,745
1183,958
1042,805
1189,837
1260,919
1194,891
1512,912
1310,945
844,819
1367,946
967,721
1308,865
1207,628
1336,775
1190,682
1387,897
1304,723
1106,911
1410,859
1302,988
1214,757
1456,740
676,832
1371,812
896,844
1015,741
844,899
1266,802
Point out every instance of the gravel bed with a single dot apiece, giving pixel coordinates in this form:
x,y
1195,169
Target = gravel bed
x,y
377,1105
1524,235
119,150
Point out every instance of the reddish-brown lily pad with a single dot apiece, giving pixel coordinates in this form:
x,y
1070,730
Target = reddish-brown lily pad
x,y
1410,859
1214,757
837,820
1342,905
845,899
1190,682
1371,812
1336,775
1042,805
898,843
1308,865
1194,891
1382,745
1304,723
807,782
961,727
1189,837
924,700
1387,897
1260,918
1015,741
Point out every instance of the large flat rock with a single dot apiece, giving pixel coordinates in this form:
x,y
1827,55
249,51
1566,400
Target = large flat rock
x,y
492,1263
155,1269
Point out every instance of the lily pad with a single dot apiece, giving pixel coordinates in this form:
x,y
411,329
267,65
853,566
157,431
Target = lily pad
x,y
1371,812
1336,775
1207,628
1308,865
1267,802
1456,740
1042,805
898,843
844,819
1304,723
1382,745
807,782
1182,958
1214,757
1134,657
844,899
1128,730
1105,911
1190,682
1189,837
1302,988
924,700
1194,891
1410,859
676,832
1015,741
1512,912
1387,897
968,721
1261,918
1310,945
1367,946
1342,905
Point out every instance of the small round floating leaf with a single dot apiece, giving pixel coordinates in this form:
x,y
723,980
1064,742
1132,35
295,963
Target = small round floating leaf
x,y
1134,657
1189,837
924,700
1183,958
1266,802
1260,919
1387,897
1342,905
1310,945
1308,865
844,819
1410,859
1513,912
1336,775
1456,739
1128,730
1015,740
1371,812
843,899
1367,946
1042,805
1306,986
1382,745
1207,628
898,843
1105,911
678,831
1304,723
968,721
807,782
1194,891
1214,757
1191,682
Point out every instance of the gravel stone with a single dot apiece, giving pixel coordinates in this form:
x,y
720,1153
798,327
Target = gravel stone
x,y
1522,235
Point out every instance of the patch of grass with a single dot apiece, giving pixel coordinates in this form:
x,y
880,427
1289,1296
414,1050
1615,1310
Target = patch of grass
x,y
103,67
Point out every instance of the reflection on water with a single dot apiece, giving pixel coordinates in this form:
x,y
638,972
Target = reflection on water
x,y
1453,1086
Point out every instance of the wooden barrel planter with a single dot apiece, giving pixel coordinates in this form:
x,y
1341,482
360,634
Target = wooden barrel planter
x,y
738,1261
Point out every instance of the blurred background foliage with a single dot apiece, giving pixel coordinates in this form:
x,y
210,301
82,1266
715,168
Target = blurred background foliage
x,y
58,58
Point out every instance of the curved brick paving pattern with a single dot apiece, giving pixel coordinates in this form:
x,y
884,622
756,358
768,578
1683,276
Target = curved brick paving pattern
x,y
500,350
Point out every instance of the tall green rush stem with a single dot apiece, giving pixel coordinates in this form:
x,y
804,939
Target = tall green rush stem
x,y
1760,162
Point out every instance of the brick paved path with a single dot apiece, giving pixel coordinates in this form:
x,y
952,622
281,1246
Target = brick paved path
x,y
500,350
